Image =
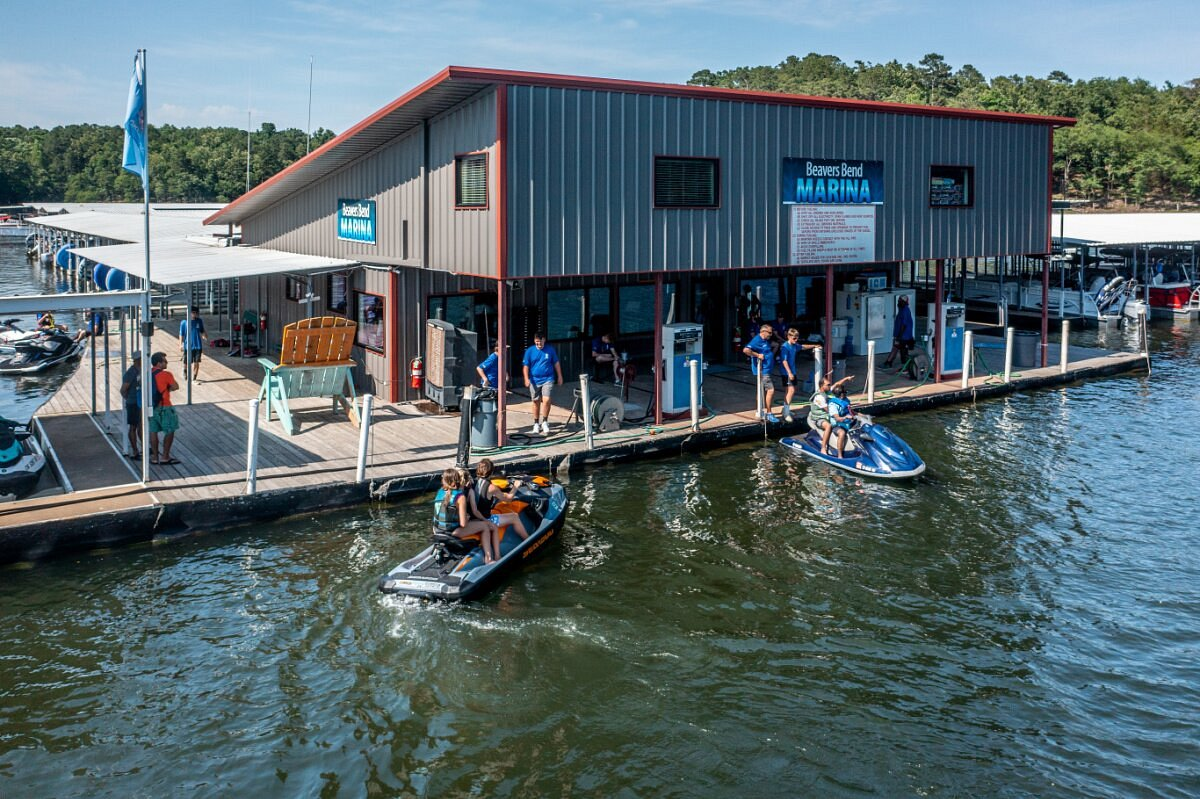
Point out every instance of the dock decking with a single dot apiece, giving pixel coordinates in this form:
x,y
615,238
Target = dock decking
x,y
408,447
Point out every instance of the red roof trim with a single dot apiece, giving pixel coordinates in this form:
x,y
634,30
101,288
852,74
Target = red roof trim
x,y
640,87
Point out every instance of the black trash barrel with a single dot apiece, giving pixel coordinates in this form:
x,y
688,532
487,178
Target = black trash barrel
x,y
483,420
1025,348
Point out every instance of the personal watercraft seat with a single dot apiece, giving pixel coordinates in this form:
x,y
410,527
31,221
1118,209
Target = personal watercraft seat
x,y
10,449
450,546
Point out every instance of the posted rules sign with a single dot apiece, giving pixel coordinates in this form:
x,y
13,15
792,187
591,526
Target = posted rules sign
x,y
832,234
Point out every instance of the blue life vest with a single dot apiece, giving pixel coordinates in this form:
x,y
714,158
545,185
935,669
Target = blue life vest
x,y
445,513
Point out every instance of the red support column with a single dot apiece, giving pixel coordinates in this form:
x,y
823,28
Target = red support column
x,y
395,357
936,323
659,375
828,320
1049,241
502,261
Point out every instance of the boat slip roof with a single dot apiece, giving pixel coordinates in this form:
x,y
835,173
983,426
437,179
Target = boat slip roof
x,y
1102,229
184,261
118,226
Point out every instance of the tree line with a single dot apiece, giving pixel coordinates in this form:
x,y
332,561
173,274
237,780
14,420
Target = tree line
x,y
82,163
1134,143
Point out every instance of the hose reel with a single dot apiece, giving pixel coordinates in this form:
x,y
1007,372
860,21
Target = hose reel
x,y
607,413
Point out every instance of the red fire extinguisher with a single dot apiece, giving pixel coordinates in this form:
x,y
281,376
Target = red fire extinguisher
x,y
262,321
416,368
737,341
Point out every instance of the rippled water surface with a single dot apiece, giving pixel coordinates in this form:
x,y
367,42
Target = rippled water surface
x,y
1023,621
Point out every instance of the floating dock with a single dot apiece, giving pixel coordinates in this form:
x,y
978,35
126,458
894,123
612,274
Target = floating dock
x,y
408,449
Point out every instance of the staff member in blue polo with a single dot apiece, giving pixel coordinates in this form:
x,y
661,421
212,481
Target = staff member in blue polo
x,y
762,359
542,370
191,341
489,370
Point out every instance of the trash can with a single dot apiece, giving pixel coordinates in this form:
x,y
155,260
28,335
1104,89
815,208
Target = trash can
x,y
1025,348
484,412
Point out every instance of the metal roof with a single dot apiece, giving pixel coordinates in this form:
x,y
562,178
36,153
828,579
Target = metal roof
x,y
1102,229
130,227
452,85
181,261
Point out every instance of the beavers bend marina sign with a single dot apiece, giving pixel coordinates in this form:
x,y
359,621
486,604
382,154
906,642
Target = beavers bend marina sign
x,y
831,181
356,221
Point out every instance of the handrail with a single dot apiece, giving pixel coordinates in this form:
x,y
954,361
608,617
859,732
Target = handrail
x,y
48,448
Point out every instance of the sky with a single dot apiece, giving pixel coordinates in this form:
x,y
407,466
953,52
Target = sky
x,y
212,63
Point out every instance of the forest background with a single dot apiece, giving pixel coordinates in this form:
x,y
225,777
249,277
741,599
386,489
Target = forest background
x,y
1135,144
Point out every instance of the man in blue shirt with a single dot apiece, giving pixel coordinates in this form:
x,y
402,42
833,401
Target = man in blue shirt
x,y
602,352
902,332
542,370
762,366
191,341
789,362
489,370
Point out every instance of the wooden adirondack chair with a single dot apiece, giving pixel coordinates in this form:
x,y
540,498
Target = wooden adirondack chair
x,y
314,361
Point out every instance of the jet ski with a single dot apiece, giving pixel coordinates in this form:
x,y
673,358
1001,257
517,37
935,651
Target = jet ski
x,y
21,459
38,354
11,333
871,450
453,568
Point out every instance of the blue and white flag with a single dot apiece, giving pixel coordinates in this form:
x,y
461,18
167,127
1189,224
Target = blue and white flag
x,y
135,122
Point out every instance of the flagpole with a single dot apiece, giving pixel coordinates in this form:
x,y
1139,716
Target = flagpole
x,y
147,325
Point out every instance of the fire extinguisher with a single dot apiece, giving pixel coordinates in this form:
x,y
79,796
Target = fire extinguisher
x,y
737,341
416,368
262,322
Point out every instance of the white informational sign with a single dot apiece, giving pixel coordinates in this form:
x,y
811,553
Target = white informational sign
x,y
833,234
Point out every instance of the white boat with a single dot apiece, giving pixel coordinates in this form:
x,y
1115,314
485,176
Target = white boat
x,y
12,230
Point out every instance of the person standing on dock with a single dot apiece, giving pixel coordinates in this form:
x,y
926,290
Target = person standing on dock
x,y
489,369
131,391
762,364
903,337
191,341
542,370
164,420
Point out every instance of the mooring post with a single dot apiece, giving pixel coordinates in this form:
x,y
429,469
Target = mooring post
x,y
251,448
1064,347
870,371
1008,353
92,343
818,367
585,413
364,436
694,375
1144,335
758,383
968,357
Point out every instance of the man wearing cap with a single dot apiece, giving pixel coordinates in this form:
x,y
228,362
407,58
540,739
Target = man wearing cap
x,y
131,390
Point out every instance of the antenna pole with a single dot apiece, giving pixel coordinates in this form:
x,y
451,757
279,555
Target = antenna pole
x,y
308,144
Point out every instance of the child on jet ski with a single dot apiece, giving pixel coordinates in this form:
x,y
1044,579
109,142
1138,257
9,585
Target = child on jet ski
x,y
841,415
450,514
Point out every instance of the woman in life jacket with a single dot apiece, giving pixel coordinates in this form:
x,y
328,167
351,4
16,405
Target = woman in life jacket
x,y
484,495
451,514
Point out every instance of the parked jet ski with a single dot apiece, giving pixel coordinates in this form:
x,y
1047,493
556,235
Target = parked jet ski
x,y
21,460
871,450
454,569
11,332
38,354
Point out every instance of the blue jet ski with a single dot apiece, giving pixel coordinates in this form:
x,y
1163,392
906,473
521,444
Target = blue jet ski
x,y
21,459
453,568
871,450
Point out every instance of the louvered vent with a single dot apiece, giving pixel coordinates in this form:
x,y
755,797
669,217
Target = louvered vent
x,y
685,183
471,181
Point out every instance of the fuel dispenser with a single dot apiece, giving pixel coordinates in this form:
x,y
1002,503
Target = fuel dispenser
x,y
682,343
952,327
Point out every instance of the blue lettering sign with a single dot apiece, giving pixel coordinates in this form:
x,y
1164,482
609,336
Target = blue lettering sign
x,y
832,181
356,221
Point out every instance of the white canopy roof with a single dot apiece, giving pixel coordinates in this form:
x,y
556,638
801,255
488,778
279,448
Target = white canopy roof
x,y
131,227
1101,229
183,261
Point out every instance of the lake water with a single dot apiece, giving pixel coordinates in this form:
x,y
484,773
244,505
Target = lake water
x,y
1022,621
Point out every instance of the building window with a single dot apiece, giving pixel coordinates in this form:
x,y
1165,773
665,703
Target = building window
x,y
635,308
951,186
336,293
686,182
296,289
470,181
372,324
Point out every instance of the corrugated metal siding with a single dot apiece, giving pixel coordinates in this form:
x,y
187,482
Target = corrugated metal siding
x,y
462,241
307,221
581,181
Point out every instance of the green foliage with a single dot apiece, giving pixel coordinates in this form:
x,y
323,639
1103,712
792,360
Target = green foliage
x,y
82,163
1133,142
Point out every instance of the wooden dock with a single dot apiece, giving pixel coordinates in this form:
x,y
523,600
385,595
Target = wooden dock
x,y
409,447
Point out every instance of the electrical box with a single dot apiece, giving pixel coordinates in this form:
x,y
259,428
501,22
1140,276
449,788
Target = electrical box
x,y
450,359
952,327
681,343
869,316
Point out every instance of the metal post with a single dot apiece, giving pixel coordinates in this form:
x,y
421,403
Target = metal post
x,y
92,342
364,437
1008,355
660,372
937,324
870,371
251,448
968,357
827,333
107,380
818,367
1144,334
187,351
694,366
585,413
1064,347
1045,311
758,382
